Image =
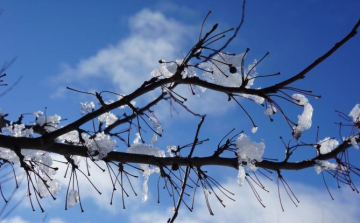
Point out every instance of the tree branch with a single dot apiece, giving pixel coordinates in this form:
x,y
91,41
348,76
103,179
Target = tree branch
x,y
67,150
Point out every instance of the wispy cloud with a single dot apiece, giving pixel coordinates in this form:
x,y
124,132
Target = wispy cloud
x,y
127,64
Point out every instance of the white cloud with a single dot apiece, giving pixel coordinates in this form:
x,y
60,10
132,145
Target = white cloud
x,y
127,64
14,220
315,206
56,220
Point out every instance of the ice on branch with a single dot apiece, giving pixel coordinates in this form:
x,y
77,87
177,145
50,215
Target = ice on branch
x,y
100,145
49,123
225,70
9,155
324,165
73,198
355,113
327,145
156,124
145,150
168,69
46,185
16,130
305,121
249,151
270,110
42,157
139,148
1,113
241,175
219,70
70,137
108,118
171,150
133,103
354,142
154,139
87,107
52,186
257,99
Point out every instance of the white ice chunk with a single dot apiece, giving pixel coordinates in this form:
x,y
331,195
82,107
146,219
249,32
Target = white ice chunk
x,y
219,72
300,99
327,145
354,143
108,118
73,198
156,124
40,157
154,139
9,155
241,175
257,99
87,107
145,150
16,130
100,146
355,113
171,150
324,165
168,69
270,110
70,137
49,123
38,113
305,121
249,151
53,187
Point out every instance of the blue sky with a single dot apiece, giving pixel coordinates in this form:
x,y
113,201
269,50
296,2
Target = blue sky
x,y
114,45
